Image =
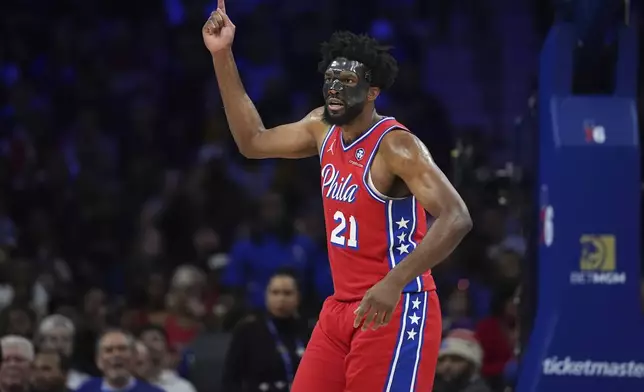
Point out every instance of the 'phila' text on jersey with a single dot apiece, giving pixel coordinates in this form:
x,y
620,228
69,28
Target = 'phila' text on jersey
x,y
336,187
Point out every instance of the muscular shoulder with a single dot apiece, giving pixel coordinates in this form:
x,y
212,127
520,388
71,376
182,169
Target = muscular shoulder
x,y
316,115
315,124
400,148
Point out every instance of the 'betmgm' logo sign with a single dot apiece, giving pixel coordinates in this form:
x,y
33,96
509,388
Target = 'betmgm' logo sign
x,y
597,263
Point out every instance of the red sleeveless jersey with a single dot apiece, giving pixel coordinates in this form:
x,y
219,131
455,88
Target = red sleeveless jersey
x,y
368,233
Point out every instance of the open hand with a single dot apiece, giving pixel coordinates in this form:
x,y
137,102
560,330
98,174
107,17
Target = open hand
x,y
378,305
218,32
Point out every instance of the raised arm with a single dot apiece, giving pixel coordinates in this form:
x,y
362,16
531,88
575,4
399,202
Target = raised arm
x,y
408,158
295,140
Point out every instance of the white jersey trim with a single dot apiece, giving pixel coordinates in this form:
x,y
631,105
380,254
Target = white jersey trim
x,y
366,178
326,139
364,135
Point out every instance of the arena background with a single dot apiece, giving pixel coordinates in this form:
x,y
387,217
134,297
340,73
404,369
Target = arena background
x,y
117,166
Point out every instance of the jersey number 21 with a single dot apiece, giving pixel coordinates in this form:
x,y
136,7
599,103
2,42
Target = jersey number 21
x,y
339,233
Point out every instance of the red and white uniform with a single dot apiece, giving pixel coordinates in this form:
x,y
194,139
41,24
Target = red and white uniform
x,y
368,234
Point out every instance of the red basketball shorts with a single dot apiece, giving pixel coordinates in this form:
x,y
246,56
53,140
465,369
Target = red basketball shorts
x,y
400,357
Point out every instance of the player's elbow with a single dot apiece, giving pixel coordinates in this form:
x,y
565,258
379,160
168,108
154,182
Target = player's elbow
x,y
461,221
250,150
256,146
466,223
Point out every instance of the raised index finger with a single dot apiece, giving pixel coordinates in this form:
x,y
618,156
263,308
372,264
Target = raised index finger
x,y
221,4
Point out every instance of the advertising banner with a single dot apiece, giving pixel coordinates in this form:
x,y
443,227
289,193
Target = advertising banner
x,y
587,335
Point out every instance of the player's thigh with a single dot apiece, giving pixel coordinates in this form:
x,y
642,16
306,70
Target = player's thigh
x,y
400,357
322,366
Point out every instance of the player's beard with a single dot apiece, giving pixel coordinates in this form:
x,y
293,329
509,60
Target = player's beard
x,y
348,114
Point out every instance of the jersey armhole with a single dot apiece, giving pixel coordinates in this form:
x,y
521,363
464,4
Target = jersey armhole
x,y
366,177
329,132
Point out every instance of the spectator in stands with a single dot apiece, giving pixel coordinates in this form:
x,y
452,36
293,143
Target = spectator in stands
x,y
155,311
116,355
17,320
497,335
156,340
150,363
142,364
50,372
265,351
95,309
458,308
272,244
507,263
457,273
17,359
183,323
312,225
128,317
56,333
459,364
23,289
93,321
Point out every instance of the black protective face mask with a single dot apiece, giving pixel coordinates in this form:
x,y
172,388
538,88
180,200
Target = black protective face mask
x,y
344,99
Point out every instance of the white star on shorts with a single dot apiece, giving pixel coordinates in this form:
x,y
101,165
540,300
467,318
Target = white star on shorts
x,y
403,248
402,223
401,237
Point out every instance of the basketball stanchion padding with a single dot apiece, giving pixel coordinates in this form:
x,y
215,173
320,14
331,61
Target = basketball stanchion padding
x,y
587,333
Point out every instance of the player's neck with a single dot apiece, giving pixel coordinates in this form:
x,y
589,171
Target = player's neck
x,y
360,125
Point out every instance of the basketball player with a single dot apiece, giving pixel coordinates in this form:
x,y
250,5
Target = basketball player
x,y
380,331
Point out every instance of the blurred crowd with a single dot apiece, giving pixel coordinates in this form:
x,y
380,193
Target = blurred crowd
x,y
136,242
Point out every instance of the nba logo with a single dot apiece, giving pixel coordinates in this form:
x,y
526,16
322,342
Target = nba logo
x,y
360,154
594,133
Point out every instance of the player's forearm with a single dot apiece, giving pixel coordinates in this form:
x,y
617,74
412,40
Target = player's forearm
x,y
243,119
440,241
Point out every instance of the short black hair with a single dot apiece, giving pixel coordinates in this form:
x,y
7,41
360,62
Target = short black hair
x,y
375,56
153,328
288,272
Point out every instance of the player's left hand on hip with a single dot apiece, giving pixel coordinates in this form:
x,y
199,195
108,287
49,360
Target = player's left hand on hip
x,y
377,306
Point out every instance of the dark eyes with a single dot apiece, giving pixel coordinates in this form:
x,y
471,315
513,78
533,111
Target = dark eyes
x,y
329,79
